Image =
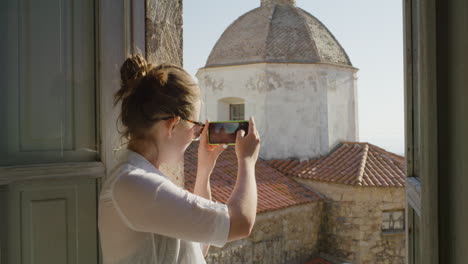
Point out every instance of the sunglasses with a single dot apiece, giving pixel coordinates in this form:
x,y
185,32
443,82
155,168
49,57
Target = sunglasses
x,y
198,129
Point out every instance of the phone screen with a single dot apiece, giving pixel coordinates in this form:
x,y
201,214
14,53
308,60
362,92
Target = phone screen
x,y
225,132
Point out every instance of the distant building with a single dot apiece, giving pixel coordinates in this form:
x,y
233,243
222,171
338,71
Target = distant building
x,y
280,64
363,213
322,194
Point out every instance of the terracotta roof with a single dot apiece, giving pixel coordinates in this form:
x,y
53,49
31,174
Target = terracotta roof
x,y
318,261
352,163
275,190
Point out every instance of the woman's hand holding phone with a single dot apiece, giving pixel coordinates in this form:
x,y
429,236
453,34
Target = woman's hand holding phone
x,y
242,203
208,154
248,147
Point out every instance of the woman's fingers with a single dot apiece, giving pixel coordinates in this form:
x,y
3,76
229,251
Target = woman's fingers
x,y
240,134
252,126
205,128
210,147
204,134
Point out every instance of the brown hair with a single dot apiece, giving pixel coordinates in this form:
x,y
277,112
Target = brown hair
x,y
150,92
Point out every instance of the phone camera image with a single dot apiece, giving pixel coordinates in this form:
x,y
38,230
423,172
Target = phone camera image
x,y
225,132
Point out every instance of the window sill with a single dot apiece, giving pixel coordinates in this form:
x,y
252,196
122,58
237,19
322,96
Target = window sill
x,y
393,233
413,193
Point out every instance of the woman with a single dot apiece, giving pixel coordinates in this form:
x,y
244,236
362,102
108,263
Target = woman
x,y
143,216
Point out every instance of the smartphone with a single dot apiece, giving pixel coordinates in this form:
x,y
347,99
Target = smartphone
x,y
224,132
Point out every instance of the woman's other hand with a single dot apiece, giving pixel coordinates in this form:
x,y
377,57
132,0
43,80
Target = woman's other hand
x,y
248,146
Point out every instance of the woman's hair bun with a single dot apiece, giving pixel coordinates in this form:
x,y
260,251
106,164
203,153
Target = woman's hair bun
x,y
131,72
149,92
133,68
162,75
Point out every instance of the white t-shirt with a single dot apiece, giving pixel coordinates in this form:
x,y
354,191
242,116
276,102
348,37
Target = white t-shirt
x,y
145,218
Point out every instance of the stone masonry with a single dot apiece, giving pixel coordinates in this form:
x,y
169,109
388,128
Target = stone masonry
x,y
283,236
164,45
352,221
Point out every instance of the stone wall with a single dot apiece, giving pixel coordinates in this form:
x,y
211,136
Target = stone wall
x,y
164,31
352,220
284,236
164,45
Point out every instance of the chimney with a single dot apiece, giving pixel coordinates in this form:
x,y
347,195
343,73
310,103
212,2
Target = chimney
x,y
275,2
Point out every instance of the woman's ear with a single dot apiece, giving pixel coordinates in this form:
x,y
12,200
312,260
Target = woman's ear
x,y
170,125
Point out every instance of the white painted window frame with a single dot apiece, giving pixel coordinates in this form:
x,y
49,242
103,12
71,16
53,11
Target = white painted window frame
x,y
421,131
224,106
232,109
120,31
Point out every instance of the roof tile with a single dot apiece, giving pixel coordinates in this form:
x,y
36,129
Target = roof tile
x,y
275,190
352,163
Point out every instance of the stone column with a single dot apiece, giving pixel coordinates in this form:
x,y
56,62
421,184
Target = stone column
x,y
164,45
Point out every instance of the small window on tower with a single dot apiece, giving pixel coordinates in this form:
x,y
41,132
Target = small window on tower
x,y
236,112
393,221
231,108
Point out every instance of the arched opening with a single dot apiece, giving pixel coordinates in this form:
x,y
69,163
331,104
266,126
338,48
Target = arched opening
x,y
231,108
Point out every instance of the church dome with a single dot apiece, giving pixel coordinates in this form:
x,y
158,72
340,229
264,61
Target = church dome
x,y
277,32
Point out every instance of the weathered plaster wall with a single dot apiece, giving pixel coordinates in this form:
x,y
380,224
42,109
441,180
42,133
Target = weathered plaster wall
x,y
341,85
284,236
243,82
301,110
352,221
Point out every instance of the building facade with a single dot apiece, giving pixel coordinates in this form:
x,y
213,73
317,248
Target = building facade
x,y
282,65
288,70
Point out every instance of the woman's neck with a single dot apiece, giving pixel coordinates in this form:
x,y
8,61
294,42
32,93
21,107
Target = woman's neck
x,y
146,149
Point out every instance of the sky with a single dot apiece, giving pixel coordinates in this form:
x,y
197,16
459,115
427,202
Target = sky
x,y
371,33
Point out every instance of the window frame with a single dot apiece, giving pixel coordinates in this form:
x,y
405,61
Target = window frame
x,y
83,134
224,107
394,230
421,131
232,108
119,31
68,169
